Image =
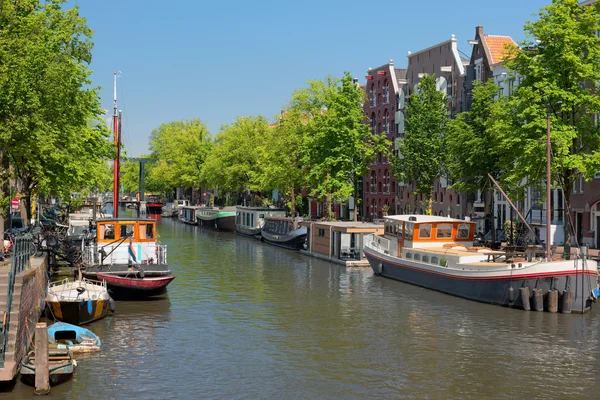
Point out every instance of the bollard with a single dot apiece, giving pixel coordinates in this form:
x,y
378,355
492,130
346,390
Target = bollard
x,y
525,298
553,300
42,380
538,300
567,302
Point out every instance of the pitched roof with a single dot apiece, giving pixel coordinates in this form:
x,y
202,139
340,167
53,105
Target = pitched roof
x,y
496,46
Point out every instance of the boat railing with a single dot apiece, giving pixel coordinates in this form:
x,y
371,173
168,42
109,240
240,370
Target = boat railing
x,y
162,253
90,255
94,288
377,243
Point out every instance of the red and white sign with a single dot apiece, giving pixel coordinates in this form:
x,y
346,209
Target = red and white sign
x,y
15,203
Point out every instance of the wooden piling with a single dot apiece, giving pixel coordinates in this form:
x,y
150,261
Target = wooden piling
x,y
553,300
538,300
42,378
567,302
525,298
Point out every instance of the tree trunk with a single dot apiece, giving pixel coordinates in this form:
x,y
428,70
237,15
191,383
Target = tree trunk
x,y
293,202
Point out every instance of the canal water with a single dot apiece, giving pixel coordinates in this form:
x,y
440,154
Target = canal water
x,y
246,320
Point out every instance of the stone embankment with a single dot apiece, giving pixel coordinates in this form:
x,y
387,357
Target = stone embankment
x,y
28,296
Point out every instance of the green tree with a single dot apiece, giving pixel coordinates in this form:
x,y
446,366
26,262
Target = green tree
x,y
233,165
421,158
51,132
338,145
473,148
180,149
280,159
560,70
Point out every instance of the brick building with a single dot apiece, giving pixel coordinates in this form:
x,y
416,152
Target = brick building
x,y
445,62
385,92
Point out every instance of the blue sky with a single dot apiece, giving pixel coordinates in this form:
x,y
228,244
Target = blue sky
x,y
217,60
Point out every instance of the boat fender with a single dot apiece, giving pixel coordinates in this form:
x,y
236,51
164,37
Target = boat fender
x,y
111,304
511,294
379,269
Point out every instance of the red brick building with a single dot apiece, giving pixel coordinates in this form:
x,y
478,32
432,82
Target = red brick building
x,y
385,91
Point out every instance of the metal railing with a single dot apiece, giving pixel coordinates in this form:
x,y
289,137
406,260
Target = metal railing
x,y
19,262
162,253
377,243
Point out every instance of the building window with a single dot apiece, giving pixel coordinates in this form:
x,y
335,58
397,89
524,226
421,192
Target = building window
x,y
373,96
387,122
387,93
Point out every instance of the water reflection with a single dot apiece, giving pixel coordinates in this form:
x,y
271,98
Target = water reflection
x,y
244,319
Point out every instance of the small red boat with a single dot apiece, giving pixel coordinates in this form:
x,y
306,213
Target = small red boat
x,y
136,287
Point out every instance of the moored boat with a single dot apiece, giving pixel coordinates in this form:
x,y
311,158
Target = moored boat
x,y
284,232
154,204
61,367
125,243
250,220
136,286
74,338
78,302
438,253
220,219
187,215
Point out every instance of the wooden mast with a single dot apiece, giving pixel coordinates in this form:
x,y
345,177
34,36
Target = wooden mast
x,y
116,129
548,192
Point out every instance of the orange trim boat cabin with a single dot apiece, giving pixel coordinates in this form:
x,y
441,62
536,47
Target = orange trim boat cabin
x,y
339,241
423,231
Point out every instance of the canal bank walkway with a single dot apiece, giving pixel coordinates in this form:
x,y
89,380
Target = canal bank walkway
x,y
19,322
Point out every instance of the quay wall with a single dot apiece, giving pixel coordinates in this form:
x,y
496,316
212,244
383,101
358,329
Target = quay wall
x,y
28,297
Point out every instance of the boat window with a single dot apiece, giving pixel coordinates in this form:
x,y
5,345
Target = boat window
x,y
408,255
237,217
425,259
417,257
146,231
463,231
126,230
107,231
251,220
424,231
388,228
435,260
444,231
408,231
261,215
321,232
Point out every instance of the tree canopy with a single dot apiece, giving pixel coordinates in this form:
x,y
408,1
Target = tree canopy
x,y
421,149
51,131
560,72
180,149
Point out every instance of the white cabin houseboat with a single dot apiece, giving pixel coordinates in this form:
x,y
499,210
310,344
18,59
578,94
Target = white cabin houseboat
x,y
438,253
124,245
250,220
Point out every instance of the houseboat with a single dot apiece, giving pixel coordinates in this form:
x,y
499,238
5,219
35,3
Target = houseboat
x,y
339,241
284,232
250,220
187,214
125,247
219,219
154,204
437,253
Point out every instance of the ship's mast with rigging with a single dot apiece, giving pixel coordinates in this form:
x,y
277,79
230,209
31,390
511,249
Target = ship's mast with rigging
x,y
117,136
